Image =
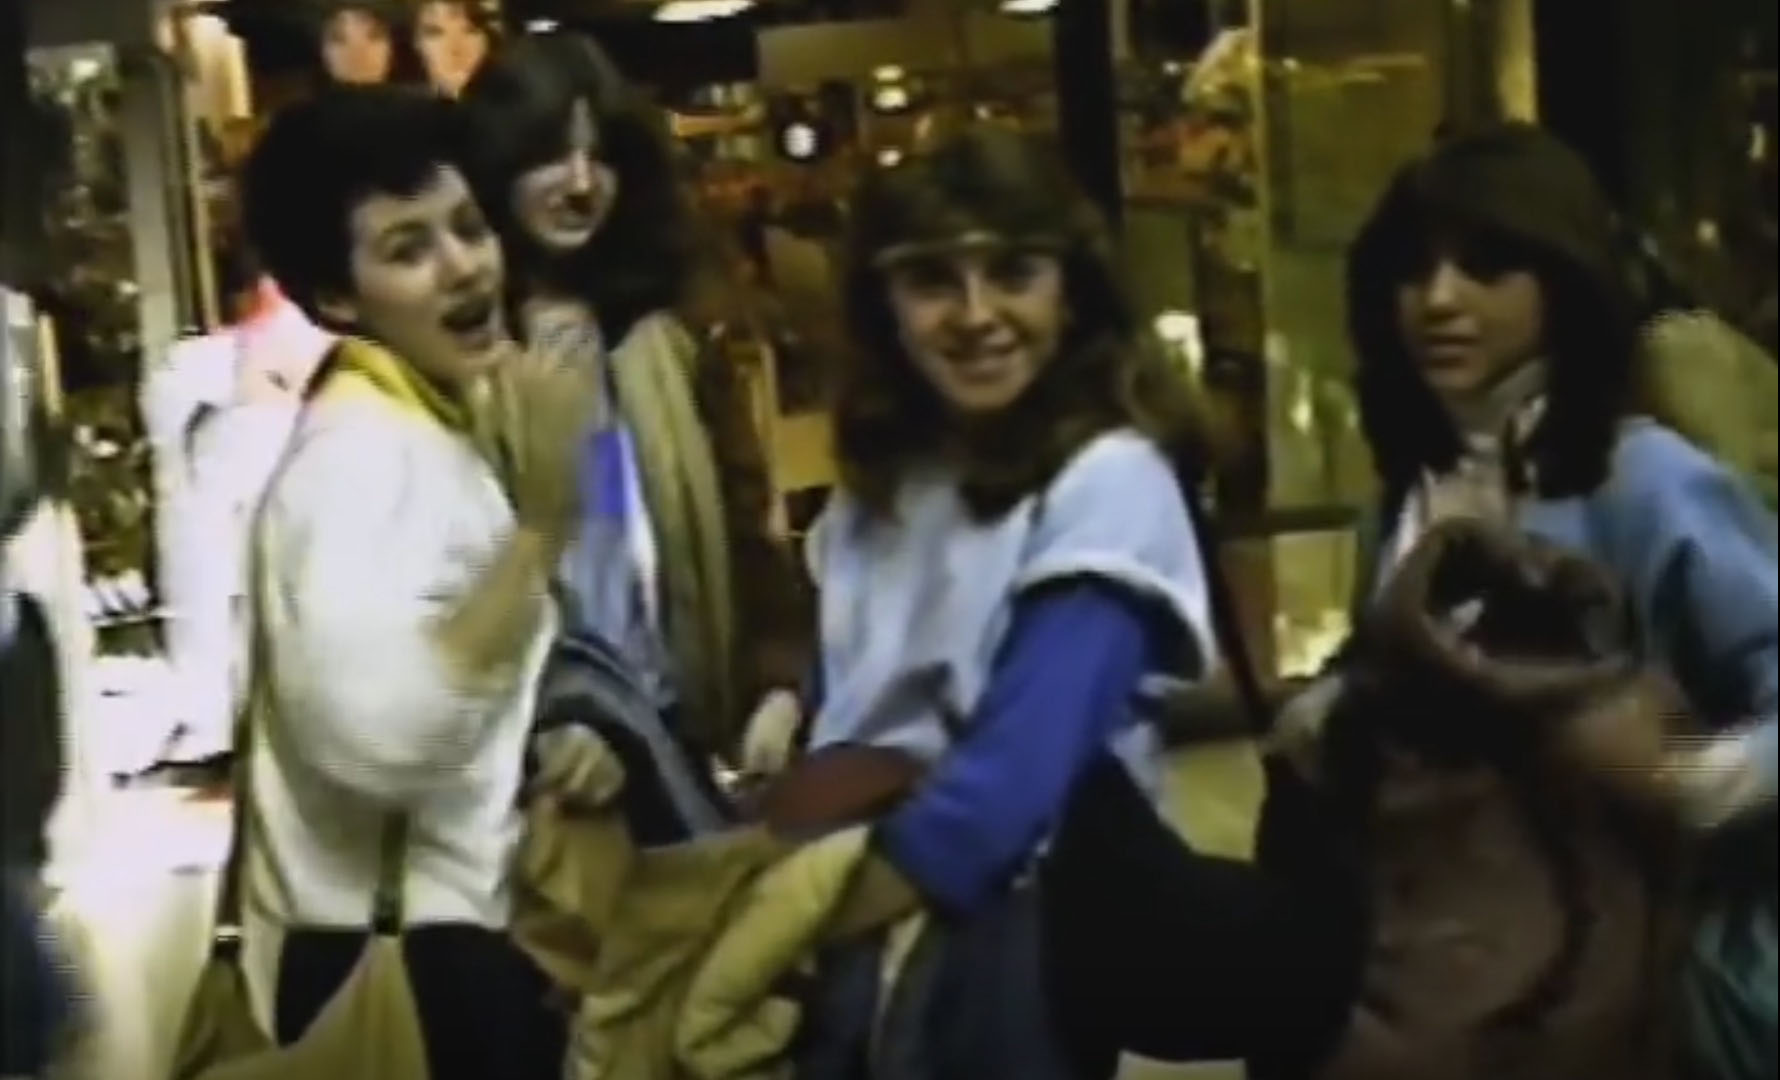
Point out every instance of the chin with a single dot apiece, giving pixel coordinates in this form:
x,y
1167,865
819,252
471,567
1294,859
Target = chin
x,y
983,401
461,367
1452,381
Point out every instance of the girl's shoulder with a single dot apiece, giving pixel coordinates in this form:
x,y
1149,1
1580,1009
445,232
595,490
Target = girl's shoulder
x,y
1122,460
1119,490
1650,459
1663,489
659,330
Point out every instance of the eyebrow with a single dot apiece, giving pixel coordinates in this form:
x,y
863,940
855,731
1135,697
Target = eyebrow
x,y
397,230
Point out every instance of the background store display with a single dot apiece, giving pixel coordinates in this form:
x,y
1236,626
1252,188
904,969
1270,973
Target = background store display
x,y
90,296
19,376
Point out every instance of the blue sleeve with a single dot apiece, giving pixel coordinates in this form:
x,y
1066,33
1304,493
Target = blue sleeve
x,y
1063,686
1706,567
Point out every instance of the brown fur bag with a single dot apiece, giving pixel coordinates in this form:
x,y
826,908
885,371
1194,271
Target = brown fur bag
x,y
1526,908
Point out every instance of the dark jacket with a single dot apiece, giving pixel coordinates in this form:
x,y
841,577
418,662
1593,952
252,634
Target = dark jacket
x,y
36,995
30,734
1526,912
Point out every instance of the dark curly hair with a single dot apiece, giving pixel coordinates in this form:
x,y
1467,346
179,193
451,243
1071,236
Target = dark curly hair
x,y
319,159
518,108
1527,202
1106,373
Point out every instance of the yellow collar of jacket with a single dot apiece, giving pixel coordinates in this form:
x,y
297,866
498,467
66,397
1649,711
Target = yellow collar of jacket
x,y
359,367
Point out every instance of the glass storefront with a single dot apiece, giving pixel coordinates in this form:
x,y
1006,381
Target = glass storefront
x,y
1254,136
1249,166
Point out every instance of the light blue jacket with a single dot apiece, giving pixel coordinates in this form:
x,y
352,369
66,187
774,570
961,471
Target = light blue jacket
x,y
1693,549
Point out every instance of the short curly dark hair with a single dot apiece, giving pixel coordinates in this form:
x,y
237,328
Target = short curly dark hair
x,y
319,159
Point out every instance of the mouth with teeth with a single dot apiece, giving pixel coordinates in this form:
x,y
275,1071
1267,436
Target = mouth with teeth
x,y
984,364
473,323
578,211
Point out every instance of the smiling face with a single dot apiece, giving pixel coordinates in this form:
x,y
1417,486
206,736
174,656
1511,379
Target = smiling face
x,y
979,319
426,275
561,204
450,43
1469,316
355,47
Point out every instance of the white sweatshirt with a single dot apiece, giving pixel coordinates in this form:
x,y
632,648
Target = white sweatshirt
x,y
377,522
209,482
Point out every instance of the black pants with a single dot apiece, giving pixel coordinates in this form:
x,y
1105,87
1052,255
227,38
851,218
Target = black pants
x,y
1153,949
485,1012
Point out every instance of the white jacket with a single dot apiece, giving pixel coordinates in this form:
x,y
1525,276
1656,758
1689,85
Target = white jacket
x,y
209,477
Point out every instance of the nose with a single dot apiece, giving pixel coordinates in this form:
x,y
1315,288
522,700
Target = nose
x,y
459,261
580,173
1442,287
976,301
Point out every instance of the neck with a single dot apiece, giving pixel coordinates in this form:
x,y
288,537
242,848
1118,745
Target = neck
x,y
1488,411
260,303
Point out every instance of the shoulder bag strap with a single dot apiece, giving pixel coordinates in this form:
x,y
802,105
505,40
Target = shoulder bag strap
x,y
387,914
226,931
1226,627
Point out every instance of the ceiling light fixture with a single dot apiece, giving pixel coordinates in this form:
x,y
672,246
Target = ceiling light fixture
x,y
1028,7
891,98
800,141
691,11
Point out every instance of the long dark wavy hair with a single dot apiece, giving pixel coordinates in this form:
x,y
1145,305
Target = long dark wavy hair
x,y
518,108
1519,199
1106,374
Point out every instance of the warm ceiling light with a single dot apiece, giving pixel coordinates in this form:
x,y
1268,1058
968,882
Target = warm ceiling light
x,y
1027,7
889,73
800,141
541,26
689,11
890,98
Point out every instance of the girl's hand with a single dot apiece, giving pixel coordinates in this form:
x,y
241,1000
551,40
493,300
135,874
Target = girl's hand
x,y
552,406
769,740
575,767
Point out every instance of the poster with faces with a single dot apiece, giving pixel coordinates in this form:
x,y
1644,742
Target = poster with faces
x,y
452,38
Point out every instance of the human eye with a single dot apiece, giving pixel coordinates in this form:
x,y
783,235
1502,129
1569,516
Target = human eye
x,y
406,244
927,275
1015,269
469,223
1487,262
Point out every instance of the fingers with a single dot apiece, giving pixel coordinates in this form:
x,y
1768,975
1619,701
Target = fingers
x,y
767,745
1299,725
576,767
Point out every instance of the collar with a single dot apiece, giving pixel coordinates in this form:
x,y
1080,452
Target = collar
x,y
1505,411
362,366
